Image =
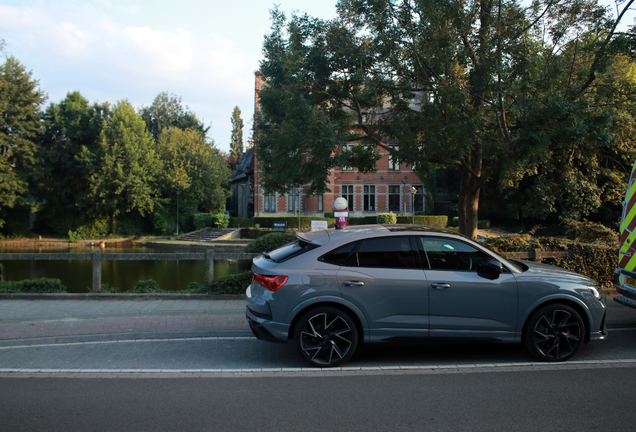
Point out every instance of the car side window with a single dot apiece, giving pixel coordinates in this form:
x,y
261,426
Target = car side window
x,y
339,255
447,254
384,252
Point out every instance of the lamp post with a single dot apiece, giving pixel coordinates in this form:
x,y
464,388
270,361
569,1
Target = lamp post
x,y
413,192
178,213
404,180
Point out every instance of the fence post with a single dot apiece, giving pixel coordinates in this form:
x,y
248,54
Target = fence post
x,y
537,255
209,257
97,270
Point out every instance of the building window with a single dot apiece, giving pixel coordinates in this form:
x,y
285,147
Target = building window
x,y
347,147
394,165
418,199
347,193
394,198
269,202
368,198
293,201
320,202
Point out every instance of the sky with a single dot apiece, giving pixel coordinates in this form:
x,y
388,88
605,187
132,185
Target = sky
x,y
204,51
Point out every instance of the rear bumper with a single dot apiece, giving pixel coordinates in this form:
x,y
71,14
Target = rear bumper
x,y
265,329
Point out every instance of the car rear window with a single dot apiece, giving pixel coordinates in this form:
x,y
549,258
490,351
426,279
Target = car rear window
x,y
289,251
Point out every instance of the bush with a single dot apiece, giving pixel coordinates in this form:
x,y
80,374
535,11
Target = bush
x,y
269,242
386,218
234,284
73,236
204,220
253,233
589,231
146,286
33,286
435,221
329,215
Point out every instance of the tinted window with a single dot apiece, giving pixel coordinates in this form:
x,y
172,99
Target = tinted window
x,y
338,256
446,254
289,251
386,252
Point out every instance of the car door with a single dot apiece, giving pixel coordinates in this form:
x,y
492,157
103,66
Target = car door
x,y
384,279
463,301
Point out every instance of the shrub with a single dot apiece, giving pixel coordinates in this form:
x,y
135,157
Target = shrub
x,y
269,242
436,221
234,284
202,220
146,286
42,285
329,215
73,236
589,231
387,218
253,233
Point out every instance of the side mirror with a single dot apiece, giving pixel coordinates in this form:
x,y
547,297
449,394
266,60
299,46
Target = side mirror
x,y
490,266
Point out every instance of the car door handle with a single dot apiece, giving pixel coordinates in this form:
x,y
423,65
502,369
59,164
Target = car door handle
x,y
440,286
354,283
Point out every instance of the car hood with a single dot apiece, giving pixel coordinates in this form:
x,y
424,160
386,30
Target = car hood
x,y
536,269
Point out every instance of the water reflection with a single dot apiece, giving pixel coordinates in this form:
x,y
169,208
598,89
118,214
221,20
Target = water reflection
x,y
123,275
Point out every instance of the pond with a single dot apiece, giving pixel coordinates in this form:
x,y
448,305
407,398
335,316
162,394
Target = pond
x,y
170,275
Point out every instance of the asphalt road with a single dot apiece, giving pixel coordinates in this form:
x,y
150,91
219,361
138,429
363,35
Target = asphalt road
x,y
598,399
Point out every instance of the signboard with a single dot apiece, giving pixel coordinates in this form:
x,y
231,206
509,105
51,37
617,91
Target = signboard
x,y
318,225
279,226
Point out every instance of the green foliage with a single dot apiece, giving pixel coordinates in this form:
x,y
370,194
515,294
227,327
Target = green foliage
x,y
292,221
236,222
73,236
20,124
233,284
387,218
589,231
167,111
236,142
269,242
124,167
146,286
253,233
202,220
436,221
329,215
32,286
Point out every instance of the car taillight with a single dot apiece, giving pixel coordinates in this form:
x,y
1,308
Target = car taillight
x,y
272,283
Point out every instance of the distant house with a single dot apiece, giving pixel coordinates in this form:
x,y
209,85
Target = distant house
x,y
242,186
387,189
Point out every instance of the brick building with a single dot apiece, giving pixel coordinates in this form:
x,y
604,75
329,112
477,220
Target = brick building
x,y
387,189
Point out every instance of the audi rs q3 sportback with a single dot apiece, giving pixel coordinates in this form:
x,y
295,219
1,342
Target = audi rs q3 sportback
x,y
331,290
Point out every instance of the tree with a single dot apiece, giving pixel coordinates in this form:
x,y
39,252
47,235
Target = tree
x,y
455,83
194,170
124,167
167,111
20,101
62,181
236,143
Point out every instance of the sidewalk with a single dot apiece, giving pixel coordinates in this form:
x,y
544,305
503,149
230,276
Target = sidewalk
x,y
28,322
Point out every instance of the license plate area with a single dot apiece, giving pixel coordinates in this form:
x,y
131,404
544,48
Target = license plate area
x,y
630,281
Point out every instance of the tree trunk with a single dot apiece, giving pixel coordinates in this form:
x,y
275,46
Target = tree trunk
x,y
112,222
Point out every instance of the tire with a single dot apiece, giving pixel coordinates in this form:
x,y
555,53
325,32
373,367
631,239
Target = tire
x,y
554,332
326,336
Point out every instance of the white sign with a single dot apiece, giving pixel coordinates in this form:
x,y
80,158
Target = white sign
x,y
340,214
318,225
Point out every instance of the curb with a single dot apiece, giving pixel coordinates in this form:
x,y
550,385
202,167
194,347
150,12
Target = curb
x,y
118,296
108,337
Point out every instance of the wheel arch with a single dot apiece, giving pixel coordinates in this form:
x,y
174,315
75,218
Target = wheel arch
x,y
355,314
579,307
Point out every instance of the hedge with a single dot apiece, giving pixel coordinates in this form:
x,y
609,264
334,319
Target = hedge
x,y
269,242
436,221
42,285
202,220
596,260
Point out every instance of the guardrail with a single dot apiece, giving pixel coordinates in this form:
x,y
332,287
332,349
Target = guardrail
x,y
97,257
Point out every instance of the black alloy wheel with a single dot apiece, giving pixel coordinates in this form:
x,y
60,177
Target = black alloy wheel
x,y
554,333
326,337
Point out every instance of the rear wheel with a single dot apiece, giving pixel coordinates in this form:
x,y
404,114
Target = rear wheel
x,y
326,337
554,332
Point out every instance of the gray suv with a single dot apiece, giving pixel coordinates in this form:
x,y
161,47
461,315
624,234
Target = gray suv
x,y
331,290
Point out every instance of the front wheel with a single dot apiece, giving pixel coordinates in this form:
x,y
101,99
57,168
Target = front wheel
x,y
326,337
554,333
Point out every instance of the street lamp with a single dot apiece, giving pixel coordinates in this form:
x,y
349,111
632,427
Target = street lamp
x,y
413,192
404,180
